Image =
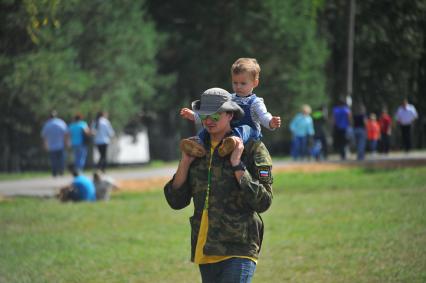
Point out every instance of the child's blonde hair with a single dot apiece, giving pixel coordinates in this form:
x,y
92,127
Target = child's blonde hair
x,y
246,65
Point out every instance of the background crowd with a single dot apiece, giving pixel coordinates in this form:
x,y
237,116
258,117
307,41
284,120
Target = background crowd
x,y
78,136
57,136
350,128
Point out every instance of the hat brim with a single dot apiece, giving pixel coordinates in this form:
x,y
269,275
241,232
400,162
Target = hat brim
x,y
229,106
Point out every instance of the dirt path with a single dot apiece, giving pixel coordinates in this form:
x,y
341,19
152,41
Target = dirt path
x,y
305,167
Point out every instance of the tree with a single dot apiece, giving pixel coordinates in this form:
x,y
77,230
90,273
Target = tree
x,y
73,56
206,37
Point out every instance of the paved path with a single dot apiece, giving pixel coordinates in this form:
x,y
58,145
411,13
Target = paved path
x,y
48,186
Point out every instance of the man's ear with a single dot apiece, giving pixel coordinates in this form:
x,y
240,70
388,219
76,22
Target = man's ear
x,y
231,115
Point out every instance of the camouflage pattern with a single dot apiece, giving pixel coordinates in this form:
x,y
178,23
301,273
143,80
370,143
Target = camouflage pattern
x,y
235,228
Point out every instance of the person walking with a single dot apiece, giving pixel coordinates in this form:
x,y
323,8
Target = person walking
x,y
360,133
342,123
302,128
320,147
55,137
79,131
228,194
373,133
103,132
385,123
405,116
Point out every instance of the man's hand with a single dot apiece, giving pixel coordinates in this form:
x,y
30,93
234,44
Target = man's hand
x,y
238,151
236,157
182,170
186,159
187,114
275,122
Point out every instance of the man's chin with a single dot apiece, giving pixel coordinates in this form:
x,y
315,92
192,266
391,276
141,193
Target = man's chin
x,y
211,130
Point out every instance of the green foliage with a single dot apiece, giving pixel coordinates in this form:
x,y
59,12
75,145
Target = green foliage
x,y
207,37
48,80
153,57
300,72
85,56
73,56
389,51
348,225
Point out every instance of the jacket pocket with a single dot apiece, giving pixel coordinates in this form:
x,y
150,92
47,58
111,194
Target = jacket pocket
x,y
233,229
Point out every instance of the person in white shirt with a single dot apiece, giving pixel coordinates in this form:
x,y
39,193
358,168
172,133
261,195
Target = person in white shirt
x,y
405,116
103,132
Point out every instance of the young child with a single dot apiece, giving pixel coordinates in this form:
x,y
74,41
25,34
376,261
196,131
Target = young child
x,y
245,77
373,132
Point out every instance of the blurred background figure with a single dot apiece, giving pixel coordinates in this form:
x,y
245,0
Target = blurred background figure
x,y
320,147
103,132
302,128
385,122
104,185
81,188
341,125
373,133
405,116
55,137
359,126
79,133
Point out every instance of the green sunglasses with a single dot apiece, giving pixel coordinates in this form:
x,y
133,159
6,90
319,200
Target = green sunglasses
x,y
215,117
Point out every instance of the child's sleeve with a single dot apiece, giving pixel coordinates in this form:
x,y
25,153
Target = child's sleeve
x,y
197,119
261,114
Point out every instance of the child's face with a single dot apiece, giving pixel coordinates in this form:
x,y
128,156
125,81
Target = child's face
x,y
243,84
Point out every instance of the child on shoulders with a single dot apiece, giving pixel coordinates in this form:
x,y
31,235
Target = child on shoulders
x,y
245,78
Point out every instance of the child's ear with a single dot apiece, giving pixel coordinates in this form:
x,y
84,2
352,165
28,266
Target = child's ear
x,y
256,82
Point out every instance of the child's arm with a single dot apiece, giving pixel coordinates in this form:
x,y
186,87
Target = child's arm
x,y
264,117
187,114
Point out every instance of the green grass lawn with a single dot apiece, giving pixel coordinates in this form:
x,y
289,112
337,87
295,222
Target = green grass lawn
x,y
344,226
6,176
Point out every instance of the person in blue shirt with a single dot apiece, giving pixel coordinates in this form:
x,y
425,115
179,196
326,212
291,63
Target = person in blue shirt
x,y
342,122
79,131
302,128
83,188
55,136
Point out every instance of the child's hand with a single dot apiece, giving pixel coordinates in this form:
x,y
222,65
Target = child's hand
x,y
275,122
187,114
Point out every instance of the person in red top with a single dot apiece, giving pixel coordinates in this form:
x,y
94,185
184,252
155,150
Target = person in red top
x,y
385,123
373,132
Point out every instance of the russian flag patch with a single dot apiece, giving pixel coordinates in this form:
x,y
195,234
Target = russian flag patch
x,y
263,173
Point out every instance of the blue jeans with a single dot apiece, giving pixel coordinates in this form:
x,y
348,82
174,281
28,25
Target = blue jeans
x,y
300,147
373,146
57,161
80,154
360,141
233,270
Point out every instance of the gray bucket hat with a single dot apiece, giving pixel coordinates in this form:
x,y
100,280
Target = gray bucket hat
x,y
216,100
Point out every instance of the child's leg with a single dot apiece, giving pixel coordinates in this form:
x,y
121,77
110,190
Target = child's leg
x,y
194,146
244,132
